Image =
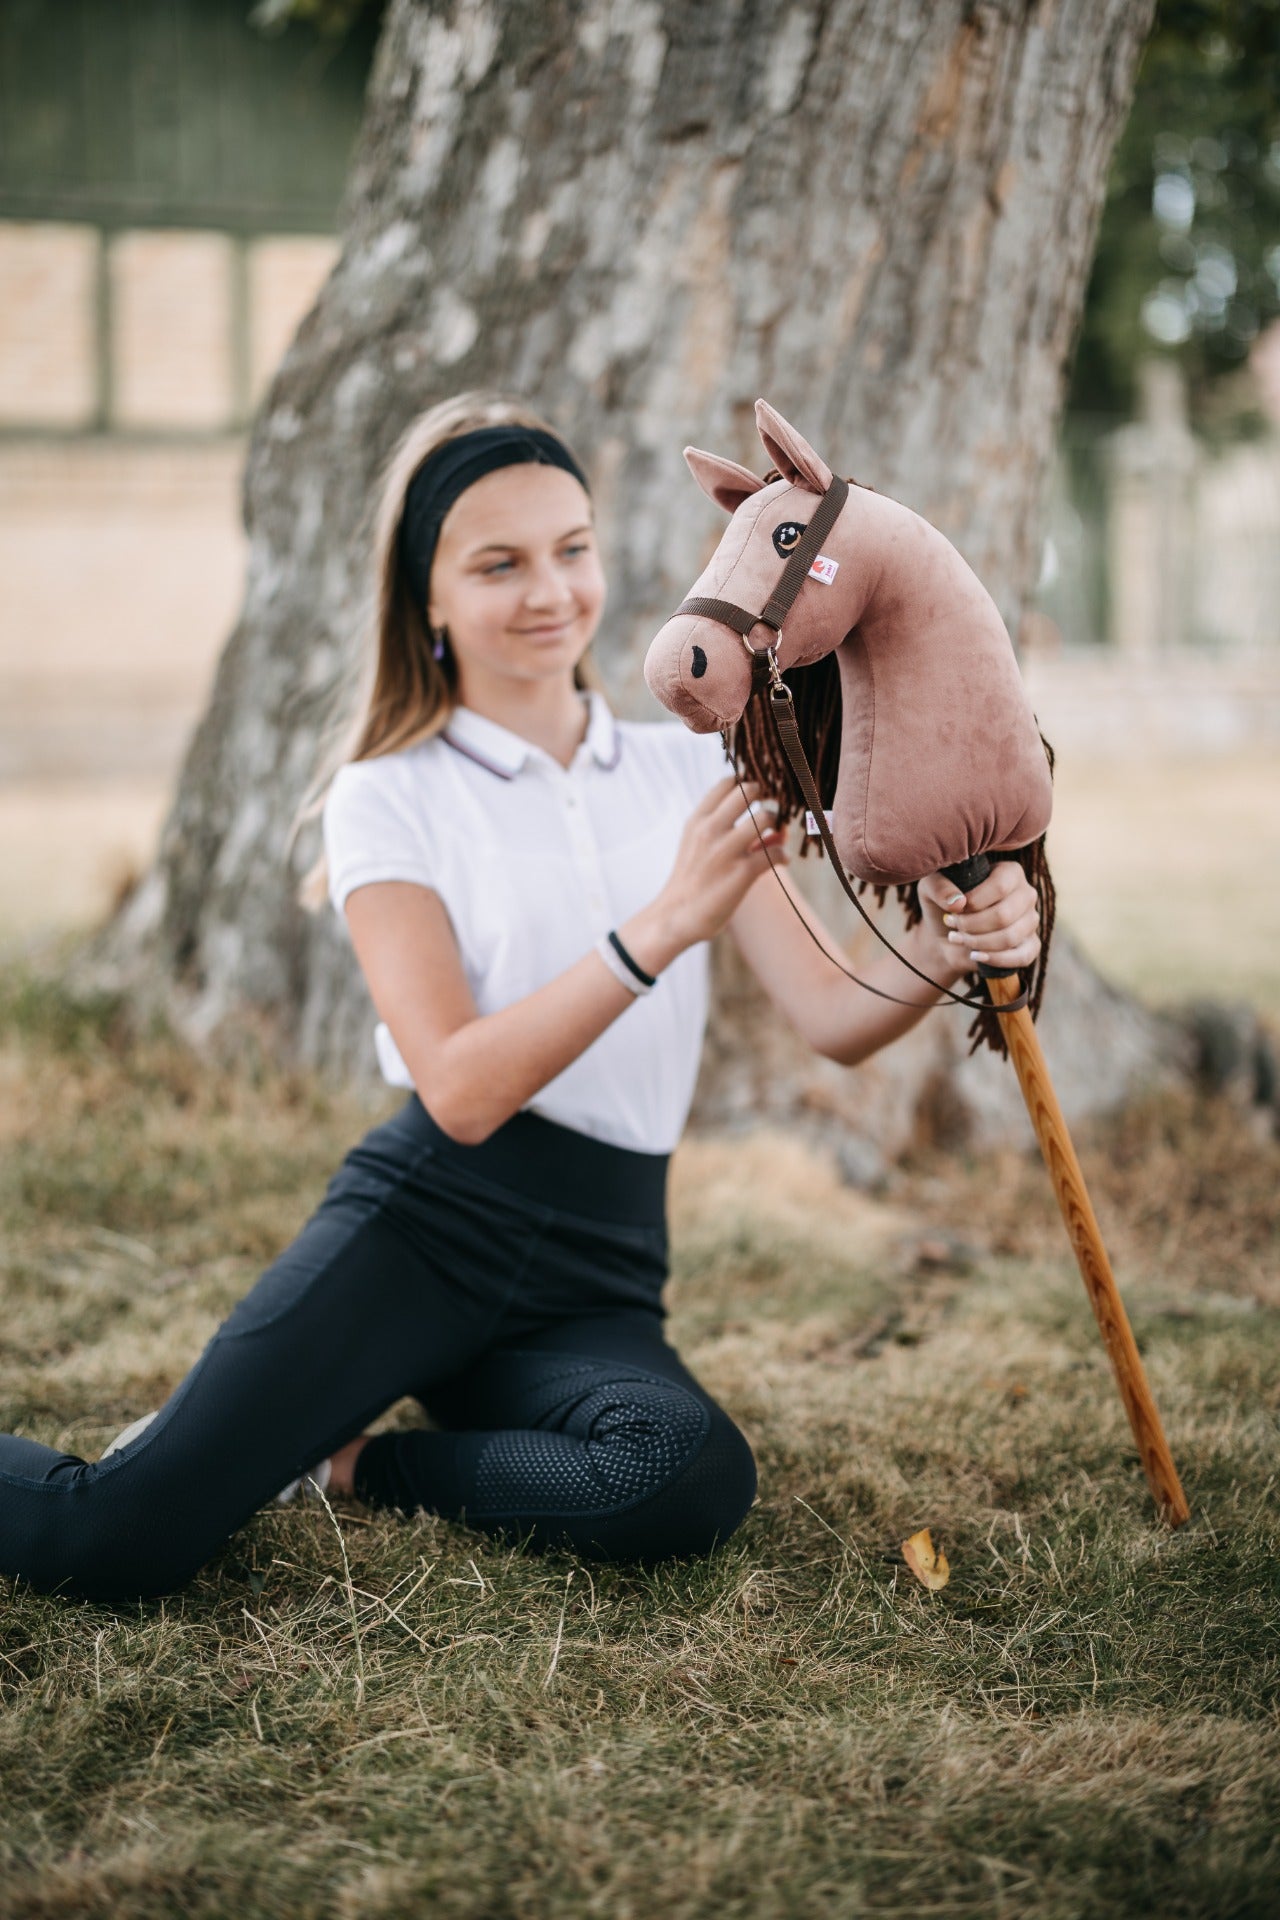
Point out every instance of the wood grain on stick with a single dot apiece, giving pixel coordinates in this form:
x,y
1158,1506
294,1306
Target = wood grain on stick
x,y
1086,1238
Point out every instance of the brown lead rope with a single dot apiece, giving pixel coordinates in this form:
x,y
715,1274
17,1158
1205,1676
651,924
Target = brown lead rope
x,y
785,719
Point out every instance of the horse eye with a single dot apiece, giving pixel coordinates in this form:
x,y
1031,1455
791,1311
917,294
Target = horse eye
x,y
786,538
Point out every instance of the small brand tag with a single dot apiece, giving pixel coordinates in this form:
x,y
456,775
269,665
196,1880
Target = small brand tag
x,y
811,826
824,569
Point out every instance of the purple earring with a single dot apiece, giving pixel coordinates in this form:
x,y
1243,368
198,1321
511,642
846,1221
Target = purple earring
x,y
438,640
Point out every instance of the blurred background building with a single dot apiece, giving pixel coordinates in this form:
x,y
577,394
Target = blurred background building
x,y
171,174
170,179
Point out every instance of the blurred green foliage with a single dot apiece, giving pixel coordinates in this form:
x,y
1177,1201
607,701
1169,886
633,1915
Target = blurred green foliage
x,y
331,18
1188,259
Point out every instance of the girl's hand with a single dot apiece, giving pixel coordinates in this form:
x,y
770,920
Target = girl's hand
x,y
719,858
996,924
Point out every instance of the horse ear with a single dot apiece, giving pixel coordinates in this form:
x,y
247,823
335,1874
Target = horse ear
x,y
789,451
725,481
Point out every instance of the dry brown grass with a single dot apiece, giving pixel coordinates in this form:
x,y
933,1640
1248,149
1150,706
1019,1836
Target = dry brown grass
x,y
354,1716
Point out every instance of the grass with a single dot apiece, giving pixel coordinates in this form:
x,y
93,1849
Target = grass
x,y
349,1715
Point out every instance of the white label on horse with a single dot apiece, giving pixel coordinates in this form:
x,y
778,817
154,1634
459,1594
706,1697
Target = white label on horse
x,y
824,570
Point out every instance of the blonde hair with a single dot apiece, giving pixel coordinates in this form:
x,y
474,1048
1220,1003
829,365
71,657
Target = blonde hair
x,y
402,694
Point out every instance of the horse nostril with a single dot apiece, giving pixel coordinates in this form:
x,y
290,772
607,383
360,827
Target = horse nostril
x,y
699,663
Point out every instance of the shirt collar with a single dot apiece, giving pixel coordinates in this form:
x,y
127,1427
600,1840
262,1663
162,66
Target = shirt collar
x,y
504,752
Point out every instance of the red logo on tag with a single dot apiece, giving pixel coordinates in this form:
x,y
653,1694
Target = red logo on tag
x,y
824,570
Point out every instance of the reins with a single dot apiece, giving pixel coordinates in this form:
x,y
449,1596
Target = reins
x,y
743,622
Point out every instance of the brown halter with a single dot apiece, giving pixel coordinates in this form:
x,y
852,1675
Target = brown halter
x,y
799,561
743,622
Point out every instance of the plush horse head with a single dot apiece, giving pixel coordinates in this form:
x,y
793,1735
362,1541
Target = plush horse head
x,y
910,706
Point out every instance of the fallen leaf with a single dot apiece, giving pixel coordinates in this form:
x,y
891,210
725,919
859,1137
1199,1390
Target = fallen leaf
x,y
929,1566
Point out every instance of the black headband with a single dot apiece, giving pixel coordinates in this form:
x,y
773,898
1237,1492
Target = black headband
x,y
453,467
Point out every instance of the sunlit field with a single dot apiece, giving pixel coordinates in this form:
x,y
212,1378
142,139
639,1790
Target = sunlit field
x,y
348,1714
1169,871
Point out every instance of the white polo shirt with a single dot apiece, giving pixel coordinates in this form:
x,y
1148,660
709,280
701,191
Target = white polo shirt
x,y
534,861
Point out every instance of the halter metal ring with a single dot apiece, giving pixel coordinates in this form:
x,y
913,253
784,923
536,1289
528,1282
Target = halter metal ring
x,y
778,685
772,647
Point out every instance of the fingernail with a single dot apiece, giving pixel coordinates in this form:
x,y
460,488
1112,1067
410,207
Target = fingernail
x,y
977,957
957,901
948,919
958,937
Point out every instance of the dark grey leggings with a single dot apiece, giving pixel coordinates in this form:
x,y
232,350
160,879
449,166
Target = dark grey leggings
x,y
514,1288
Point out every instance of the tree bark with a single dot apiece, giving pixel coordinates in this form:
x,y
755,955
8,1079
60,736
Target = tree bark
x,y
877,213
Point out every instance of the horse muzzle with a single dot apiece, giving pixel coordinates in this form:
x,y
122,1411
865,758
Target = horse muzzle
x,y
700,671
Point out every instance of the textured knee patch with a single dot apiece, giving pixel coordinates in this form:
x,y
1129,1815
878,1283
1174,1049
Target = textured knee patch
x,y
615,1443
610,1460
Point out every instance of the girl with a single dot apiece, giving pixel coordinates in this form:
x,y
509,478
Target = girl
x,y
530,885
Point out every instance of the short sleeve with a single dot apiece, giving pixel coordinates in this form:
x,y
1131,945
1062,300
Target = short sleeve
x,y
373,831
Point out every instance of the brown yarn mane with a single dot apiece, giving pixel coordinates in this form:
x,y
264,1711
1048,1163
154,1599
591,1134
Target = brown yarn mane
x,y
756,750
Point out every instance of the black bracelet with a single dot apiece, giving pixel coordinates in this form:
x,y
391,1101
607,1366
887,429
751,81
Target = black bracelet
x,y
632,966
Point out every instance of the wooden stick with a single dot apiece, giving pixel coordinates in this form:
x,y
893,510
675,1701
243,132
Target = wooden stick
x,y
1086,1238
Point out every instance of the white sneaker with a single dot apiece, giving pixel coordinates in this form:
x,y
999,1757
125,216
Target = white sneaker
x,y
304,1486
129,1433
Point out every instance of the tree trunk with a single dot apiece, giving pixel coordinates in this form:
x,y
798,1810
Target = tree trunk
x,y
877,213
